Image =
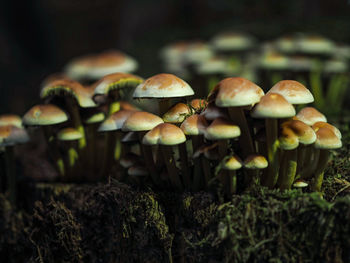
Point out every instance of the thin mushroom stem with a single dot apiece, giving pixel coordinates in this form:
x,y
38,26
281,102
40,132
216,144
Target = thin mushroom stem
x,y
245,140
75,115
223,146
271,175
171,167
197,164
164,105
184,165
232,177
113,102
147,153
11,174
110,138
307,172
288,169
319,172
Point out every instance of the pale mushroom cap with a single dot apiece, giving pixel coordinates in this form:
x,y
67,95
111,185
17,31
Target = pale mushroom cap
x,y
293,91
286,44
221,129
163,86
315,44
44,114
69,134
12,135
214,65
232,163
212,112
234,92
288,140
69,87
232,41
326,139
310,115
130,137
194,125
210,152
177,113
274,61
141,121
305,133
164,134
115,121
198,52
116,81
273,105
96,66
10,119
95,118
174,52
300,184
317,125
255,161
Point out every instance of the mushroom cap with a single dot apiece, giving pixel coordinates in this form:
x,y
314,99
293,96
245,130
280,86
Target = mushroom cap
x,y
11,135
95,118
286,44
44,114
194,125
212,112
124,105
255,161
164,134
198,104
163,86
273,105
10,119
69,134
293,91
141,121
214,65
314,44
209,151
305,133
198,52
96,66
65,87
326,139
310,115
115,121
232,41
320,124
288,140
300,184
221,129
174,52
116,81
234,92
177,113
129,160
232,163
272,60
130,137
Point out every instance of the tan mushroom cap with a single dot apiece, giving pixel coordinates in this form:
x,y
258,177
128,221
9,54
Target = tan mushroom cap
x,y
232,163
293,91
212,112
310,115
10,119
255,161
44,114
69,87
115,121
235,92
141,121
288,140
221,129
116,81
177,113
273,105
163,86
305,133
96,66
198,104
326,139
320,124
69,134
164,134
124,105
11,135
194,125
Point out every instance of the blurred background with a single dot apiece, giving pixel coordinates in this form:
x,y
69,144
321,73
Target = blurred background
x,y
39,37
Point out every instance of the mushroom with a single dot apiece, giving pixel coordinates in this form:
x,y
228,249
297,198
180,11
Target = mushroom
x,y
254,162
272,107
231,164
177,113
163,87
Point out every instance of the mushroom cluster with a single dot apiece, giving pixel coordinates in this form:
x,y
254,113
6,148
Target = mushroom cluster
x,y
236,137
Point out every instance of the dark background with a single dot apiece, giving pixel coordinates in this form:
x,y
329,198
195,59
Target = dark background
x,y
38,37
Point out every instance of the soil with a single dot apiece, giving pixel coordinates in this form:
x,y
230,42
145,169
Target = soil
x,y
116,222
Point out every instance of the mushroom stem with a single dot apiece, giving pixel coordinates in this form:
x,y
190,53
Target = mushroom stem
x,y
245,140
171,166
184,165
307,172
197,163
75,115
11,174
206,170
146,151
319,172
91,147
164,105
110,138
223,146
288,169
113,107
232,181
271,175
